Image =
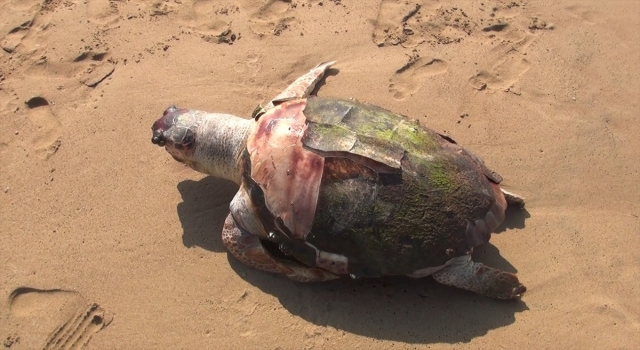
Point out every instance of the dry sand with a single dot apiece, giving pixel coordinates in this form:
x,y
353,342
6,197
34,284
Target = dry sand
x,y
108,241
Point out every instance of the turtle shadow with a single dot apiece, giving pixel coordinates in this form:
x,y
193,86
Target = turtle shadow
x,y
204,207
331,72
514,218
417,311
489,255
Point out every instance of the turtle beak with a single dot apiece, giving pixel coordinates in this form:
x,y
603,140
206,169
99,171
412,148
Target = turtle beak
x,y
163,124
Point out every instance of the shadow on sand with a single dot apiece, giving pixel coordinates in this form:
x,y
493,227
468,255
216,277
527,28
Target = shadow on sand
x,y
205,205
393,308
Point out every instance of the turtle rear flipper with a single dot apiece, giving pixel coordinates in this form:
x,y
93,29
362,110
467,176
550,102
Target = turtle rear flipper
x,y
513,199
476,277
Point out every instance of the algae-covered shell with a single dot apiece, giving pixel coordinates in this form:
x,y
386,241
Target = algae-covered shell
x,y
385,193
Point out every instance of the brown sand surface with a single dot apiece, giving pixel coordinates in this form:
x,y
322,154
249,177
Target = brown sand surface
x,y
107,241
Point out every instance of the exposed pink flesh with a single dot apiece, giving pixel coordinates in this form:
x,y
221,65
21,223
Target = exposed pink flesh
x,y
288,174
334,263
500,200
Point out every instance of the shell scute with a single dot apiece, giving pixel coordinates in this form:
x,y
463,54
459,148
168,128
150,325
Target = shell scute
x,y
367,129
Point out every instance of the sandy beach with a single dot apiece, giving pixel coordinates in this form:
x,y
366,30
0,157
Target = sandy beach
x,y
108,243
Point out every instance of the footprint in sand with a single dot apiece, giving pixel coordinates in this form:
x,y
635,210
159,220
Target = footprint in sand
x,y
272,18
250,65
408,79
503,66
103,12
47,136
502,75
410,24
8,106
247,69
390,23
206,17
98,68
54,318
25,24
583,13
14,38
18,17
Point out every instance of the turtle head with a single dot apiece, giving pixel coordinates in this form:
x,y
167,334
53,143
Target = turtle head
x,y
210,143
177,130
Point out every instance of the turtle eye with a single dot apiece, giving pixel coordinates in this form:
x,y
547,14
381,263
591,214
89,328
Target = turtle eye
x,y
183,138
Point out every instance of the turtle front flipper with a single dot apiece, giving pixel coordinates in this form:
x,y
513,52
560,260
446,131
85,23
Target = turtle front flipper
x,y
248,248
466,274
302,86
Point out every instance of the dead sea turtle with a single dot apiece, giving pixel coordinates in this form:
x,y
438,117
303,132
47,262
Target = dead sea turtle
x,y
332,187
